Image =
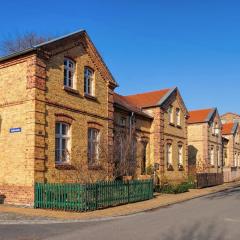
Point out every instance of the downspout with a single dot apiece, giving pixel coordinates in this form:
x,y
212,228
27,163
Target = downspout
x,y
130,134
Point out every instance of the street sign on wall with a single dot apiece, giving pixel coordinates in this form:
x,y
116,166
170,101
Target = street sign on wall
x,y
15,130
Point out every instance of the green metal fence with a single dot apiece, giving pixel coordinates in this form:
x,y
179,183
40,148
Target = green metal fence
x,y
88,197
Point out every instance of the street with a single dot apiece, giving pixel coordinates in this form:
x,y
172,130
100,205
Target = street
x,y
215,216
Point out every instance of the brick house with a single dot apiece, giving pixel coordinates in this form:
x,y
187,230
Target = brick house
x,y
56,110
162,131
230,117
131,139
231,158
205,141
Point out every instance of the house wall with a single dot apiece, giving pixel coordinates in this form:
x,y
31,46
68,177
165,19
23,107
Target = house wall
x,y
141,131
200,140
17,106
232,171
161,134
32,97
81,112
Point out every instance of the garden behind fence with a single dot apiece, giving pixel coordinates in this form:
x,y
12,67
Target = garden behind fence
x,y
88,197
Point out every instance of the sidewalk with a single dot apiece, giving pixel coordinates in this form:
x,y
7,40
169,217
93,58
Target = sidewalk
x,y
160,200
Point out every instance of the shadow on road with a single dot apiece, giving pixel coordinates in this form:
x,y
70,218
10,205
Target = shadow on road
x,y
195,232
235,192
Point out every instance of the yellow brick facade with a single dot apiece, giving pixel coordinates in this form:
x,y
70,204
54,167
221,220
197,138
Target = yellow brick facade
x,y
33,99
200,142
162,133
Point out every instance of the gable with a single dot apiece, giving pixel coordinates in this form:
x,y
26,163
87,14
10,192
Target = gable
x,y
174,96
48,49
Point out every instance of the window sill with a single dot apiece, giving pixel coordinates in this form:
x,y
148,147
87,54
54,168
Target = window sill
x,y
95,167
172,124
178,126
64,166
212,166
71,90
90,97
180,168
170,168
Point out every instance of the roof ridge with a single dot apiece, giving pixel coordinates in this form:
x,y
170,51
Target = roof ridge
x,y
149,92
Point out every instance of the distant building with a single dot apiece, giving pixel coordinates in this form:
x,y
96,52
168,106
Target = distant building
x,y
204,141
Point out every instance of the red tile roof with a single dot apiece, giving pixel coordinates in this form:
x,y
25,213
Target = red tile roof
x,y
199,116
227,128
149,99
123,102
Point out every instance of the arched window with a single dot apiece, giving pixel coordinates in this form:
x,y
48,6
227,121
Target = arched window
x,y
178,116
62,142
69,71
170,115
169,154
180,155
93,146
88,81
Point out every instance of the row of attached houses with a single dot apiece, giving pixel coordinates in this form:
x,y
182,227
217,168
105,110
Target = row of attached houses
x,y
61,121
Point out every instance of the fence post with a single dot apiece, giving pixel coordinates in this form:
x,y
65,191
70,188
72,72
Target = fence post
x,y
128,191
96,196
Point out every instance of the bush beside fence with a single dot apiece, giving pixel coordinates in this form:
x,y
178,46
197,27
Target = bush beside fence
x,y
88,197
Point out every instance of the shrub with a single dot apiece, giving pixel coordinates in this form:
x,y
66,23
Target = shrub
x,y
175,189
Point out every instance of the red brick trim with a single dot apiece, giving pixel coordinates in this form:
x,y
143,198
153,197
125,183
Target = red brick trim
x,y
61,117
94,125
169,141
65,107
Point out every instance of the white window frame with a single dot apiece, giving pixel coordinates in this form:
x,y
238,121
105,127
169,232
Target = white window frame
x,y
89,81
178,116
169,154
170,115
180,154
212,156
69,73
93,146
62,155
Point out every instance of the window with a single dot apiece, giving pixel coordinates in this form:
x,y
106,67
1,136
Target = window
x,y
216,130
93,146
178,117
213,128
212,156
122,121
69,70
169,154
218,158
238,159
235,159
237,138
88,81
180,155
62,153
170,114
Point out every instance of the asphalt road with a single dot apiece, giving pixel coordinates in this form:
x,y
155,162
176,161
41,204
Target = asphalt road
x,y
216,216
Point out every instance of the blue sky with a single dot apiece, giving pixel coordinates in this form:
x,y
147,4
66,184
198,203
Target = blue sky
x,y
149,45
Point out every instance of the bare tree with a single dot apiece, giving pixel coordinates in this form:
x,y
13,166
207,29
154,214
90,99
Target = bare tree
x,y
125,152
21,42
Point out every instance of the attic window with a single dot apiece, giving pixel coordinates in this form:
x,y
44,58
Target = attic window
x,y
170,115
88,81
69,70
